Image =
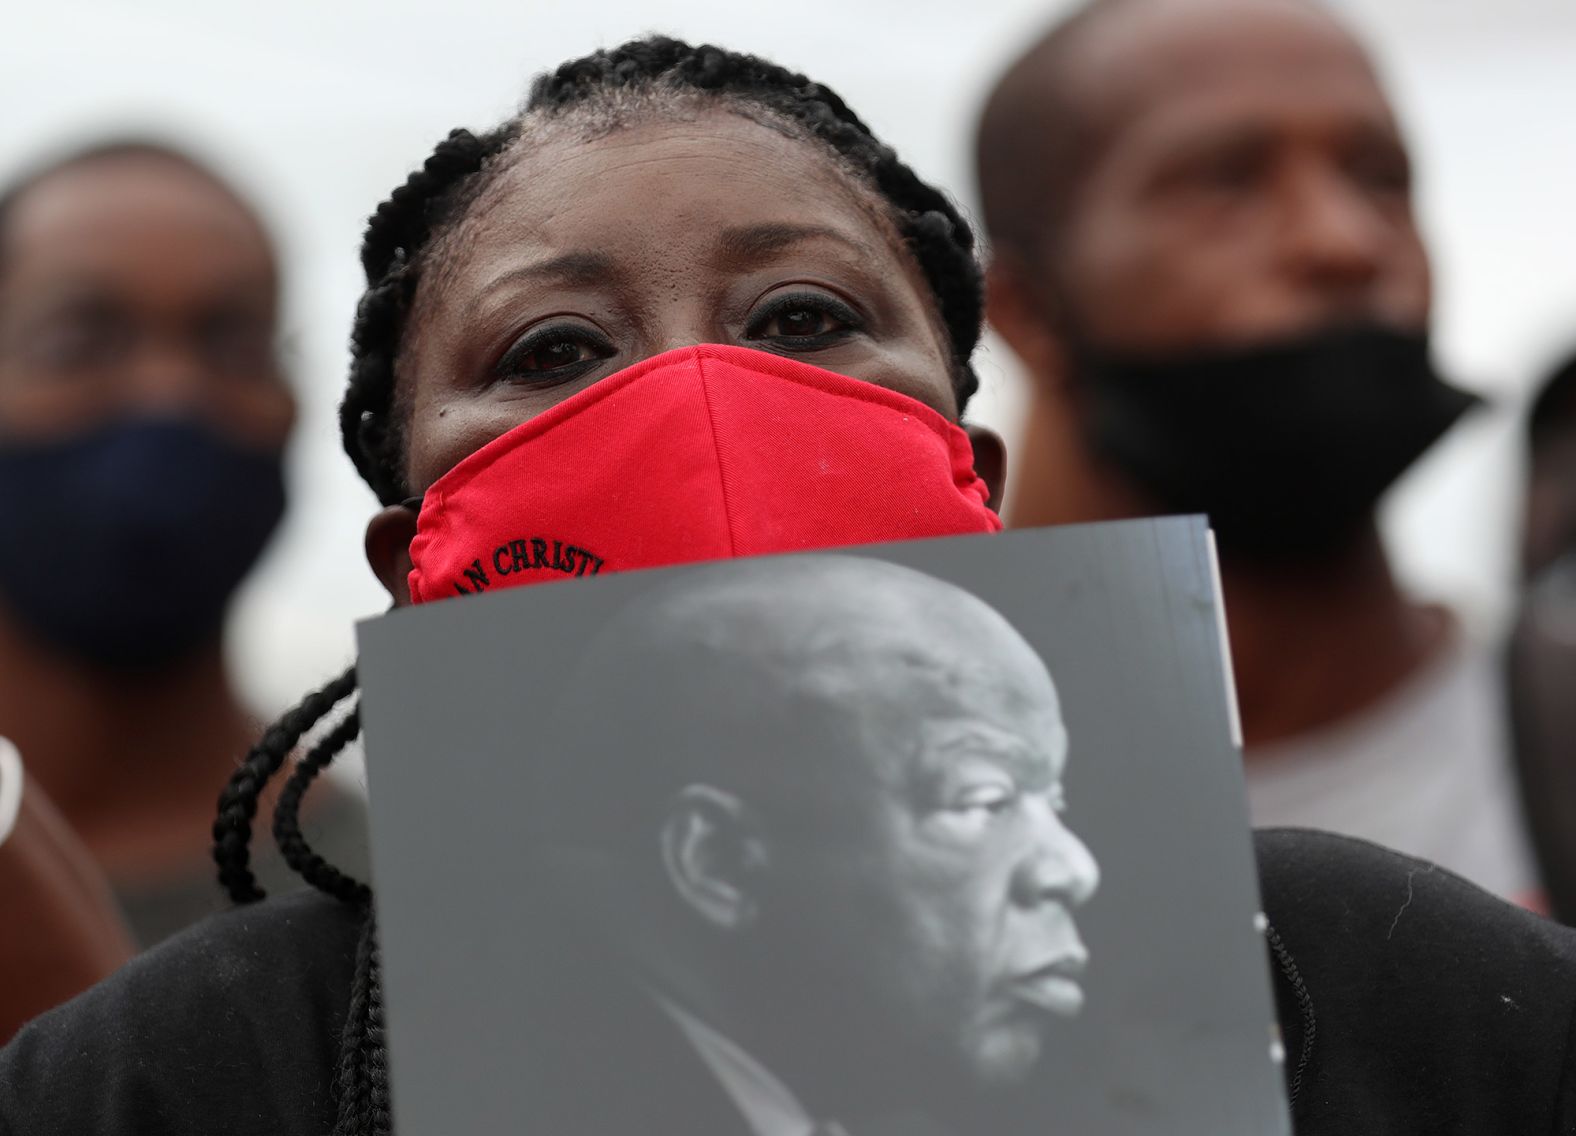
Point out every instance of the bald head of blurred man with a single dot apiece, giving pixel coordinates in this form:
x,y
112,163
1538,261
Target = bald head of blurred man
x,y
817,802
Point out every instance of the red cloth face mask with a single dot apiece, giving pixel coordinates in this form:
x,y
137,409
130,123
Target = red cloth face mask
x,y
703,453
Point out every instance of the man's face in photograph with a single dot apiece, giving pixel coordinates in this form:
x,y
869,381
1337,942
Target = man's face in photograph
x,y
934,905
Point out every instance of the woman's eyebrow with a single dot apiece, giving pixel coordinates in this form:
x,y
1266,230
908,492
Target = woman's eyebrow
x,y
577,269
757,242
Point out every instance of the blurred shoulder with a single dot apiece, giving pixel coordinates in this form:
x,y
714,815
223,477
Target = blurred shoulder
x,y
1356,893
232,1025
1412,999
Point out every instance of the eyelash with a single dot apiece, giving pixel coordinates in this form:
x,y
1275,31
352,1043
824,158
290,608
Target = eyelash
x,y
511,367
817,302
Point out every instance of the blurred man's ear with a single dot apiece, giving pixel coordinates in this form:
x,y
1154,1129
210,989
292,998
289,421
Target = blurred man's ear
x,y
990,462
389,534
713,851
1016,312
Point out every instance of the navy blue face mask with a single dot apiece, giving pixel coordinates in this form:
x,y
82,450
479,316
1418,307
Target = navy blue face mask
x,y
122,546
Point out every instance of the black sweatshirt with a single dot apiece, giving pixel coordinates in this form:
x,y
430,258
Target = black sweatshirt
x,y
1411,1003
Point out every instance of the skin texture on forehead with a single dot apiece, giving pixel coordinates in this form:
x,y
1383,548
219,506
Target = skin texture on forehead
x,y
564,195
620,113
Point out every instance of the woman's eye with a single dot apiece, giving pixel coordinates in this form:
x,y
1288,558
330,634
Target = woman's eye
x,y
553,353
804,321
800,321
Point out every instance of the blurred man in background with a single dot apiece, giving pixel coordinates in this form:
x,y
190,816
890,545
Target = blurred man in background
x,y
1206,255
143,420
1542,651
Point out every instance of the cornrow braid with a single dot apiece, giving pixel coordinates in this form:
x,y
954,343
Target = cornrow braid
x,y
399,241
396,234
360,1085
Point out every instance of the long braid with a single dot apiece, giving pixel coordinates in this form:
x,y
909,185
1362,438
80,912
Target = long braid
x,y
232,829
361,1088
287,817
397,232
399,239
395,237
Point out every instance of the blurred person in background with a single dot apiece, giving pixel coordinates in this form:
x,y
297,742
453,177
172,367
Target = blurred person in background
x,y
61,932
1206,255
1549,521
1541,656
143,419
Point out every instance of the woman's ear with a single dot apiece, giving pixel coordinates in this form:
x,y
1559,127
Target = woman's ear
x,y
990,462
389,534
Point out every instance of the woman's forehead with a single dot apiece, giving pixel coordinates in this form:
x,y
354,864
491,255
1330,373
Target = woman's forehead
x,y
667,188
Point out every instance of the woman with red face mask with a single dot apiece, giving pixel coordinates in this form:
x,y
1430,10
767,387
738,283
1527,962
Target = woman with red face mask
x,y
686,306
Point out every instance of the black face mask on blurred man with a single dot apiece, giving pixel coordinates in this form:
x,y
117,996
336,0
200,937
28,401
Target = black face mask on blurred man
x,y
1287,444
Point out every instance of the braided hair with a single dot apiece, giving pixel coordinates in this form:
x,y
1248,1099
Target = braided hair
x,y
404,238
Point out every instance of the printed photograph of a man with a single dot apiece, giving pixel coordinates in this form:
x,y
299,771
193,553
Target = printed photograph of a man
x,y
802,825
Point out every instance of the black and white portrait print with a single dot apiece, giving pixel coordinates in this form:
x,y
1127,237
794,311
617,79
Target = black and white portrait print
x,y
823,844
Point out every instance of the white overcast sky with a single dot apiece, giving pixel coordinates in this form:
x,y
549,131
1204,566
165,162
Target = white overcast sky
x,y
318,109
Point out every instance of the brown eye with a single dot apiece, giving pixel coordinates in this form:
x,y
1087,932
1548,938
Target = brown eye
x,y
804,321
800,321
559,353
553,354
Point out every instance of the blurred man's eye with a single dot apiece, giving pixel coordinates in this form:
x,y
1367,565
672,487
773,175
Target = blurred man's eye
x,y
1381,169
1231,171
75,342
1222,169
237,345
